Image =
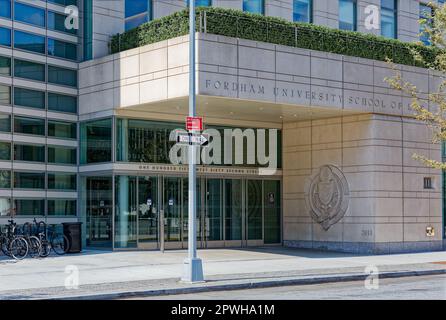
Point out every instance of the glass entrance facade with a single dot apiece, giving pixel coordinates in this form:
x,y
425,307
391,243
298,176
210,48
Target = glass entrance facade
x,y
150,212
141,208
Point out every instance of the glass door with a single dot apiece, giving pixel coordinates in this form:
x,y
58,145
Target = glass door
x,y
213,214
172,212
99,212
148,212
254,213
233,209
272,208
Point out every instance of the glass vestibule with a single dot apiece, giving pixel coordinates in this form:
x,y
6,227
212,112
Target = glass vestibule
x,y
152,212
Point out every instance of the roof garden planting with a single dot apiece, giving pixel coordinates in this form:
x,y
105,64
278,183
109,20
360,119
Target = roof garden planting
x,y
238,24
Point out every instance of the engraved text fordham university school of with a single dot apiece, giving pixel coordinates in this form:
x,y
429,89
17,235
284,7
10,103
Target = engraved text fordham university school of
x,y
311,96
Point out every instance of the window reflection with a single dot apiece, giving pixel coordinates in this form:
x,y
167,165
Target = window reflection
x,y
388,18
347,15
302,10
254,6
96,138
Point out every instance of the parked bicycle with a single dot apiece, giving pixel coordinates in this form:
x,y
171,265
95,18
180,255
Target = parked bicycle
x,y
35,239
34,243
50,239
12,243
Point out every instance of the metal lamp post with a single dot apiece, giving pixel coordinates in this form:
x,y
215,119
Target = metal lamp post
x,y
192,268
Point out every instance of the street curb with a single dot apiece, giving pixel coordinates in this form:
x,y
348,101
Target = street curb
x,y
252,285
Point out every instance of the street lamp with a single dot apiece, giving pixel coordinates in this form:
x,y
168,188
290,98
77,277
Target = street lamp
x,y
192,268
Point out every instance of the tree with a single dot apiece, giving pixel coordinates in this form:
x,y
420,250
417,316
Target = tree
x,y
433,28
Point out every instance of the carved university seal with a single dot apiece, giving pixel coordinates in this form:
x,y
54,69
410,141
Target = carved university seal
x,y
327,195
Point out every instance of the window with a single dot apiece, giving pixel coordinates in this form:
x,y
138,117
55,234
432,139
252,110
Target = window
x,y
62,49
62,103
426,14
29,180
61,181
201,3
29,70
61,155
137,12
5,150
5,66
61,207
5,37
64,2
27,152
149,141
29,125
427,183
61,129
5,8
56,21
88,30
143,141
5,207
347,15
95,140
388,18
5,94
62,76
29,98
29,207
254,6
5,123
5,179
302,10
29,14
29,42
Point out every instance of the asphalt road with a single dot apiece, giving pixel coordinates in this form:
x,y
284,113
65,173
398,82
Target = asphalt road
x,y
426,287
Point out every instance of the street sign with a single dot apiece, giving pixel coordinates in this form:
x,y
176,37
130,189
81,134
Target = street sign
x,y
194,123
192,139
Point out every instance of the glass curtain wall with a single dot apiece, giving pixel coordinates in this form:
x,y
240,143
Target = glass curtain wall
x,y
95,141
148,141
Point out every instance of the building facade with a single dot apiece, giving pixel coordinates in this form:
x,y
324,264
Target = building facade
x,y
87,135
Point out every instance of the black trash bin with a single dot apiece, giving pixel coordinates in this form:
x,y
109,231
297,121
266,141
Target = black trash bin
x,y
73,231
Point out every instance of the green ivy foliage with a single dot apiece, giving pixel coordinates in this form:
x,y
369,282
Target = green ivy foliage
x,y
238,24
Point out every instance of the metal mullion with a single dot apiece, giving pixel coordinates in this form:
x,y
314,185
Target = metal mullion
x,y
263,210
113,211
137,211
223,206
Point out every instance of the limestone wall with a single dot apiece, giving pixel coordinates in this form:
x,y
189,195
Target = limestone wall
x,y
389,209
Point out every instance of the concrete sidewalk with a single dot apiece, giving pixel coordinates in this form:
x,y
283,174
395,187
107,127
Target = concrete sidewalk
x,y
121,274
